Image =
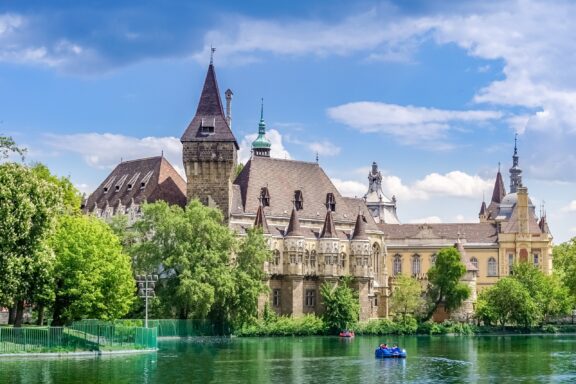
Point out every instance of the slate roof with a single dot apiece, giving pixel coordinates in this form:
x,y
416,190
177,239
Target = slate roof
x,y
472,232
360,228
283,178
134,181
210,109
328,229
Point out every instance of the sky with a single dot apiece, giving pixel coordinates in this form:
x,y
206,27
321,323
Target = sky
x,y
433,91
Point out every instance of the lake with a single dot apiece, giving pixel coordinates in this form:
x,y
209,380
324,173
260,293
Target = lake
x,y
431,359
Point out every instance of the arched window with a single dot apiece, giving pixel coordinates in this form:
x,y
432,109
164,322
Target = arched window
x,y
433,259
265,197
306,257
397,265
330,202
298,200
492,270
416,265
376,257
474,262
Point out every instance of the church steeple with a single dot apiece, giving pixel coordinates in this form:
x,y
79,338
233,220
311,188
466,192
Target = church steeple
x,y
515,171
261,146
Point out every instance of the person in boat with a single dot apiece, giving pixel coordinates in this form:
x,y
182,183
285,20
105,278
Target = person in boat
x,y
395,348
383,346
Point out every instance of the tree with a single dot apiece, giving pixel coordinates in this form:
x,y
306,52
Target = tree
x,y
564,256
8,145
550,296
509,302
407,295
192,250
444,281
342,307
92,276
28,205
71,198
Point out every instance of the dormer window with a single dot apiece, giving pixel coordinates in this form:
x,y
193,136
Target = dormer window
x,y
330,202
207,125
265,197
108,185
298,200
120,183
146,179
132,181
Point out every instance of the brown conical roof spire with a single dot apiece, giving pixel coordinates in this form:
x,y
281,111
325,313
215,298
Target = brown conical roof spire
x,y
463,257
360,228
499,190
328,230
209,115
483,209
260,220
294,224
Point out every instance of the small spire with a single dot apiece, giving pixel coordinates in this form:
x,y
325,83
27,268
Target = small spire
x,y
515,143
212,50
359,232
262,109
260,220
498,167
294,224
317,157
329,229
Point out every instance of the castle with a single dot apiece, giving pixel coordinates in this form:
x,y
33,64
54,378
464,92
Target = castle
x,y
316,234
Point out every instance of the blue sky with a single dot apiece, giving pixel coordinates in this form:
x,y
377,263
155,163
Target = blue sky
x,y
432,91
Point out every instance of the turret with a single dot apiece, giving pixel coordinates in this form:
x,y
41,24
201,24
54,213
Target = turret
x,y
261,146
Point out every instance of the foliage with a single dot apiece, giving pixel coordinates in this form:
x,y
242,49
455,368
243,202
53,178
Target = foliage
x,y
8,145
308,325
71,198
444,281
407,295
549,294
510,303
199,277
564,256
238,169
341,304
93,278
27,208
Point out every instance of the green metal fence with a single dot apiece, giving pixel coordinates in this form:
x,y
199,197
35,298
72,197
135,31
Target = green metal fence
x,y
78,337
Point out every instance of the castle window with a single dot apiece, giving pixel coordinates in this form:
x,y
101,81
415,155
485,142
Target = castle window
x,y
313,259
397,265
415,265
310,298
330,202
433,259
492,270
343,260
146,179
474,262
276,297
536,258
306,257
510,263
265,197
298,200
207,125
276,257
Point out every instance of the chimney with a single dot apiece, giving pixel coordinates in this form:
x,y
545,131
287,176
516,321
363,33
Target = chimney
x,y
522,206
229,95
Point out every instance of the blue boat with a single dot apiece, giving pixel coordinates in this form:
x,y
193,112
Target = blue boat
x,y
397,353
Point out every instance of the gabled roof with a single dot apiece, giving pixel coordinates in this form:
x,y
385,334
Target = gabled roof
x,y
283,178
209,111
135,181
474,232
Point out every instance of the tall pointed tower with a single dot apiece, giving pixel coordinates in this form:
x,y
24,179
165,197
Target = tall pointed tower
x,y
515,171
261,146
210,150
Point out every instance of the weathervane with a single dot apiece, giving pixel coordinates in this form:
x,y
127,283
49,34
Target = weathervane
x,y
212,50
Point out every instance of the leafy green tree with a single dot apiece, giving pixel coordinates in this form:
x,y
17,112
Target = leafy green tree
x,y
192,248
71,198
341,304
444,281
28,205
407,295
484,311
509,302
92,275
564,256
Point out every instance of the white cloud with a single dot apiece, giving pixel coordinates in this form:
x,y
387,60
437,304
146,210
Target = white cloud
x,y
105,150
350,188
277,149
324,148
571,207
409,124
426,220
455,183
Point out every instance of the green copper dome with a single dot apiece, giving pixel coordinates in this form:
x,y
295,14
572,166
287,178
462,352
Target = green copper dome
x,y
261,146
